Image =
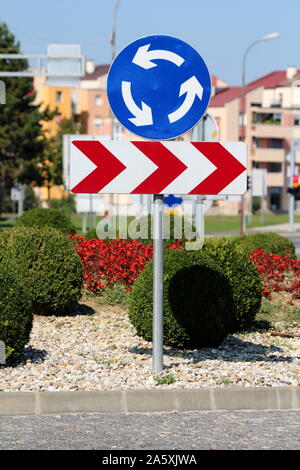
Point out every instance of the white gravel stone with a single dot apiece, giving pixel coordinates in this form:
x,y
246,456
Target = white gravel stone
x,y
103,352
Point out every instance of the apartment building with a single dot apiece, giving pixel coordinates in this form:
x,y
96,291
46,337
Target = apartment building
x,y
92,105
266,114
54,97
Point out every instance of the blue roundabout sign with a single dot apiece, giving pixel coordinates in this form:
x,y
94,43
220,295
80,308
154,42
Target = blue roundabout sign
x,y
158,87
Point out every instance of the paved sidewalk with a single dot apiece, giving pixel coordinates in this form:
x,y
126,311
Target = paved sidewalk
x,y
279,228
171,431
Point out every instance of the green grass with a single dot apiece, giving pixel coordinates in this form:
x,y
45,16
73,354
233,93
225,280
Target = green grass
x,y
272,312
213,223
230,223
224,382
6,222
113,295
166,380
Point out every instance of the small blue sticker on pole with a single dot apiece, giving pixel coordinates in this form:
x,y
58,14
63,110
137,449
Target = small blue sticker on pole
x,y
158,87
172,201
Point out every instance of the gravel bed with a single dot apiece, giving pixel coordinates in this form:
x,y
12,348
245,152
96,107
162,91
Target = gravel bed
x,y
103,352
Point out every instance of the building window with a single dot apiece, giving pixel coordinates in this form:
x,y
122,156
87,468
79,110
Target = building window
x,y
97,123
275,144
274,167
58,97
256,142
118,131
98,100
242,119
266,118
297,121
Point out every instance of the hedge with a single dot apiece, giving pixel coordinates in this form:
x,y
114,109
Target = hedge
x,y
46,217
47,266
270,242
15,313
197,301
243,278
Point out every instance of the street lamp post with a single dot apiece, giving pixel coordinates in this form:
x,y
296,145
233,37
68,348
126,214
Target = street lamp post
x,y
112,119
267,37
113,55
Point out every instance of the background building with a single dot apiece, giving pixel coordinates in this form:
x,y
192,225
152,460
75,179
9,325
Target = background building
x,y
268,119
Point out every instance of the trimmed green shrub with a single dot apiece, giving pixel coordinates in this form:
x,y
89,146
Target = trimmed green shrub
x,y
243,278
46,217
15,314
197,301
270,242
174,227
47,266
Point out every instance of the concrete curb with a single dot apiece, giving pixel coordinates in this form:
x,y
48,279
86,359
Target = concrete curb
x,y
149,400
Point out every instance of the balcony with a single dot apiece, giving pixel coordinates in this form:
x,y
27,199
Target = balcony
x,y
267,154
275,179
270,130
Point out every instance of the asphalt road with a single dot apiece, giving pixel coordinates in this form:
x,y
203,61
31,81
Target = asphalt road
x,y
240,430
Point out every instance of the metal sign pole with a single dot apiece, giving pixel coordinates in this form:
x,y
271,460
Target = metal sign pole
x,y
91,212
292,196
200,217
158,267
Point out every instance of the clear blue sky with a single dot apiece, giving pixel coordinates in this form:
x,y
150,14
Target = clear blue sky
x,y
220,30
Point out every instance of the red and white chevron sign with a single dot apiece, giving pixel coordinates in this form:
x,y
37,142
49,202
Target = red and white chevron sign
x,y
169,167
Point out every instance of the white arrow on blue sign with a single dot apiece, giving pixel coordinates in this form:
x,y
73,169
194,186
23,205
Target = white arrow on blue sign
x,y
158,87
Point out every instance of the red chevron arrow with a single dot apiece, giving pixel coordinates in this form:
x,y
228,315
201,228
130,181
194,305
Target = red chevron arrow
x,y
228,168
151,167
100,156
169,167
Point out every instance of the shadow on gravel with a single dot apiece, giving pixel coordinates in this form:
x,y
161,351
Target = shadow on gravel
x,y
29,354
232,350
80,309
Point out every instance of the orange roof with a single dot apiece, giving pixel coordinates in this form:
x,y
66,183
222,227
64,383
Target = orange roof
x,y
99,71
225,95
271,80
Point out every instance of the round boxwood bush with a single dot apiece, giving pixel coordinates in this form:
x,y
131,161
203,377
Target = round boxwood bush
x,y
243,278
197,301
175,228
46,265
15,313
46,217
270,242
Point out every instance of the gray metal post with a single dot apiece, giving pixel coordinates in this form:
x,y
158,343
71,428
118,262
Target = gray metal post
x,y
149,204
291,196
251,200
84,222
91,212
158,267
200,217
21,200
262,215
140,204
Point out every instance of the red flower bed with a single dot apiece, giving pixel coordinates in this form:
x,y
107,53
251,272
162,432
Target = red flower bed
x,y
108,262
278,273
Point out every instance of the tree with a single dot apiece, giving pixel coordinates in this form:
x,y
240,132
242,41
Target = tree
x,y
22,140
51,169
